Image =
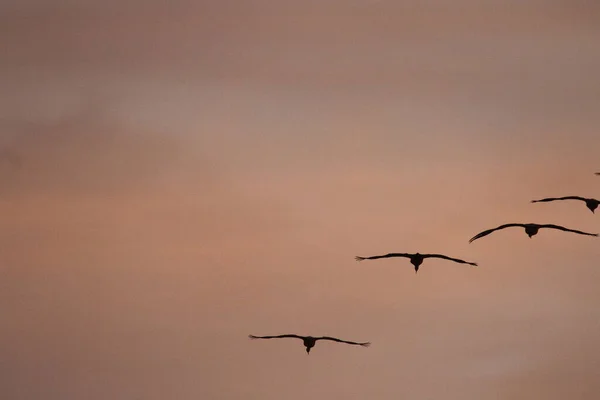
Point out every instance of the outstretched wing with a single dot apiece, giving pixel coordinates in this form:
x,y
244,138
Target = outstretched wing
x,y
276,337
357,258
485,233
597,173
449,258
365,344
562,228
559,198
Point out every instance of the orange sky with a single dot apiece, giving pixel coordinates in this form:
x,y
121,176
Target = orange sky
x,y
176,177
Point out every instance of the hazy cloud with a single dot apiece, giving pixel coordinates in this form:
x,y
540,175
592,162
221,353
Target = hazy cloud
x,y
83,152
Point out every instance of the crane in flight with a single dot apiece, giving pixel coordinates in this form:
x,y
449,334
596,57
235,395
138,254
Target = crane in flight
x,y
416,259
309,341
531,229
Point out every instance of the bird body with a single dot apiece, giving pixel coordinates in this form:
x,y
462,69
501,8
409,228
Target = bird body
x,y
531,229
309,341
592,204
416,259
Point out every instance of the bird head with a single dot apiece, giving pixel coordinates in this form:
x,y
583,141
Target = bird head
x,y
308,350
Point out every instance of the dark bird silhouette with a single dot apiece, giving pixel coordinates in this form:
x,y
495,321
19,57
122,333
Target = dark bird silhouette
x,y
416,259
592,204
530,229
309,341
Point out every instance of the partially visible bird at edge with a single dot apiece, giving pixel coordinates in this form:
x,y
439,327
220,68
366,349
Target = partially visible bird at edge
x,y
592,204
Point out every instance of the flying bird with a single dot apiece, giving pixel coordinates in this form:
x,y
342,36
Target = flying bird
x,y
592,204
530,229
416,259
309,341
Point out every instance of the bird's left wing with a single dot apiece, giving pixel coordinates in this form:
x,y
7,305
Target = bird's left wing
x,y
275,337
449,258
366,344
487,232
562,228
357,258
559,198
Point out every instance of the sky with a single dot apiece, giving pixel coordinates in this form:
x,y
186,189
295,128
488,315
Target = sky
x,y
176,176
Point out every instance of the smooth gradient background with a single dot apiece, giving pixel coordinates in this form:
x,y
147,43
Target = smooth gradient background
x,y
177,175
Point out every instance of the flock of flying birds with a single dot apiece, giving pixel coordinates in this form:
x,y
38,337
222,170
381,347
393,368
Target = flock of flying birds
x,y
416,259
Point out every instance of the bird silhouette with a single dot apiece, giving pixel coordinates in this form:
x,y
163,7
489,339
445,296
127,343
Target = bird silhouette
x,y
592,204
416,259
309,341
531,229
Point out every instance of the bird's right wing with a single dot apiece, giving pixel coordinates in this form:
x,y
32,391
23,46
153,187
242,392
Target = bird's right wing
x,y
457,260
276,337
562,228
485,233
357,258
365,344
559,198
